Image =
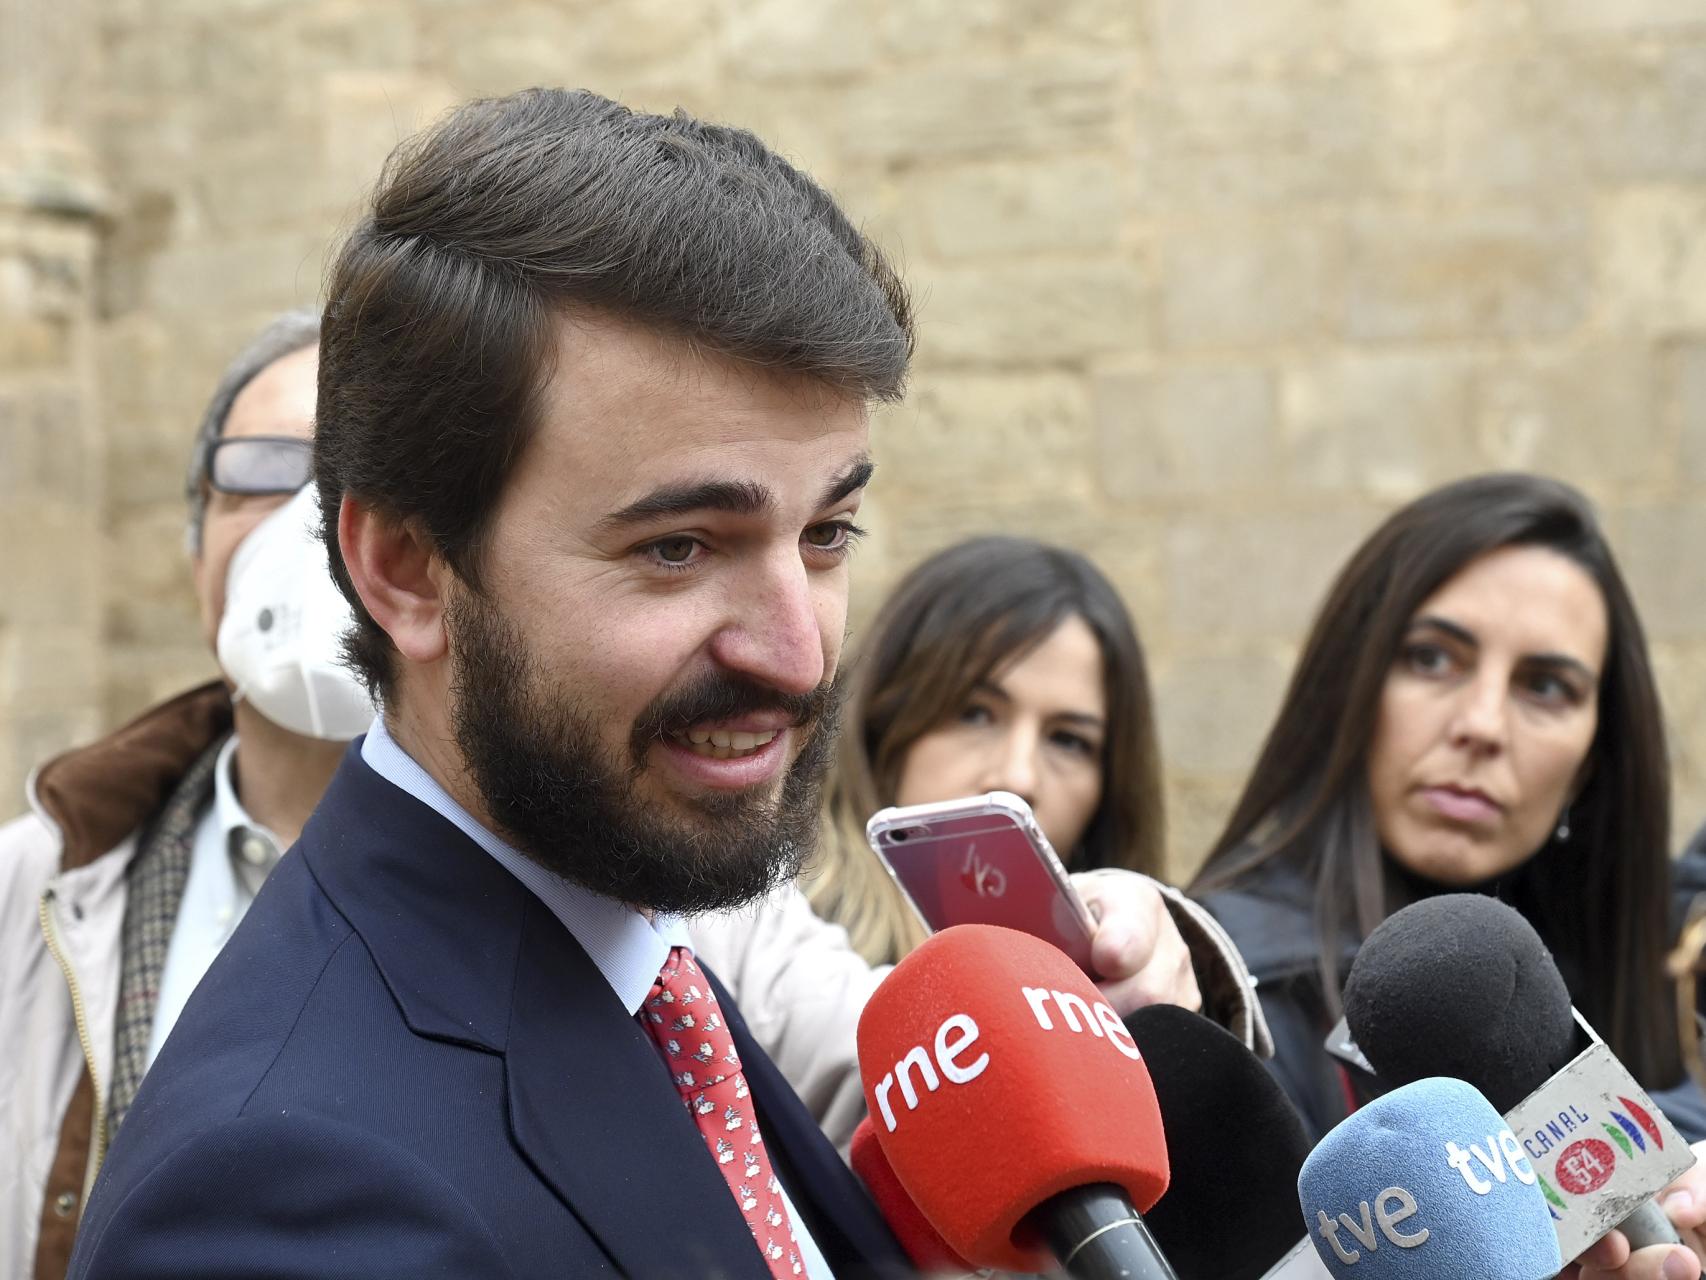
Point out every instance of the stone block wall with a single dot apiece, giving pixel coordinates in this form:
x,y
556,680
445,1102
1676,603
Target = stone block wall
x,y
1206,286
52,470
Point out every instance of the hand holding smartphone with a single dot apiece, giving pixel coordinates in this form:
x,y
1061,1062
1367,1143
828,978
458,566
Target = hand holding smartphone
x,y
982,860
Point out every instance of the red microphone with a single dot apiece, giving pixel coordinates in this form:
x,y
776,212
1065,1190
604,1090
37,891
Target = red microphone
x,y
923,1244
1014,1107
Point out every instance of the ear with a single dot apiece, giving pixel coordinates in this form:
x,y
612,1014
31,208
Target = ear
x,y
399,577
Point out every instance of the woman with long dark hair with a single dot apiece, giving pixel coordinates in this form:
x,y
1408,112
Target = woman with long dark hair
x,y
1474,709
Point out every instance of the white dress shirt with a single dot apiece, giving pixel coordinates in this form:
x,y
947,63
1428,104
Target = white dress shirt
x,y
629,950
229,858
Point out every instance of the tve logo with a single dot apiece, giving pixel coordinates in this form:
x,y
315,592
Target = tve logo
x,y
1501,1160
1495,1161
1391,1207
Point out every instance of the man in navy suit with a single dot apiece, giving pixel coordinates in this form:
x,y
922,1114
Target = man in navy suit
x,y
591,443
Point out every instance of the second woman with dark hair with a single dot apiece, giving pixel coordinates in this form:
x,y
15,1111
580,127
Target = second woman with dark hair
x,y
1474,709
997,664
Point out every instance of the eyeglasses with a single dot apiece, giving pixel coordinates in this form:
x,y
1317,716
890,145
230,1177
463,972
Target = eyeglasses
x,y
254,465
1684,965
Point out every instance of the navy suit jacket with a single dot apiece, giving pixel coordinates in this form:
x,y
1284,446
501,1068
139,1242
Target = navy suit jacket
x,y
403,1064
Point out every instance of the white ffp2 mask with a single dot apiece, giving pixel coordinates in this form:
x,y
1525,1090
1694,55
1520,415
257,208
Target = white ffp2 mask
x,y
279,641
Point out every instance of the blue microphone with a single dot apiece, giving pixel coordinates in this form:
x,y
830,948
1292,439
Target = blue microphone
x,y
1425,1182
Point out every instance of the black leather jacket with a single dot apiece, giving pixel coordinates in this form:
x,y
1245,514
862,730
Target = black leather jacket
x,y
1271,917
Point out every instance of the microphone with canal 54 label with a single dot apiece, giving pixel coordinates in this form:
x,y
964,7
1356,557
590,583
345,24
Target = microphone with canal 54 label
x,y
1014,1107
1427,1182
1461,985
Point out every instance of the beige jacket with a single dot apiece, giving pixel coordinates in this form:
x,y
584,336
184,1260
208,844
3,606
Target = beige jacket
x,y
801,987
62,900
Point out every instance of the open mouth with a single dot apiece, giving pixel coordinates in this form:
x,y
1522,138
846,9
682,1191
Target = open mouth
x,y
719,744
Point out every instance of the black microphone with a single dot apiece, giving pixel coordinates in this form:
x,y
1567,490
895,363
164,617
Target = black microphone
x,y
1461,985
1233,1138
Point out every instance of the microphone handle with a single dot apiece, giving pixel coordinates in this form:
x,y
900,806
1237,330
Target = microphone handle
x,y
1095,1234
1648,1225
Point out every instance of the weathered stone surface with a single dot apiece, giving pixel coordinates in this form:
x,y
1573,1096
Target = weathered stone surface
x,y
1216,707
1386,423
1659,545
146,552
1590,415
1237,140
984,437
47,453
1186,431
954,28
984,109
1195,36
1503,270
1247,283
1071,204
1651,259
1034,312
1685,384
1256,576
1402,28
784,40
1619,16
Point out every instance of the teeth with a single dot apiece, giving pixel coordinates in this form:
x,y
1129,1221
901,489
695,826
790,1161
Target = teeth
x,y
718,744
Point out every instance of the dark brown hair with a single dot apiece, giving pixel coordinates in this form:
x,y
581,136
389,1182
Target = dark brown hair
x,y
952,621
444,302
1598,900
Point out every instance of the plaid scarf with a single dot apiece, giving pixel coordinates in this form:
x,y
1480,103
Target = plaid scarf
x,y
156,875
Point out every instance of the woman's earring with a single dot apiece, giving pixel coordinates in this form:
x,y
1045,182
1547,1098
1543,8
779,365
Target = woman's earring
x,y
1563,832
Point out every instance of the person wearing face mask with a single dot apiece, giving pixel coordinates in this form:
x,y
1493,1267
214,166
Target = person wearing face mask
x,y
1000,663
1474,710
143,851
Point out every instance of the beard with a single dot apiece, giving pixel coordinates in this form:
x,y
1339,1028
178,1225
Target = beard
x,y
533,752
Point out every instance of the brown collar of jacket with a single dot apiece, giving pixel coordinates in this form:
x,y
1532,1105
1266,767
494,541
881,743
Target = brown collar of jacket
x,y
98,794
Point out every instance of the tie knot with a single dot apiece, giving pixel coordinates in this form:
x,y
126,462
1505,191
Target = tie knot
x,y
679,982
681,1014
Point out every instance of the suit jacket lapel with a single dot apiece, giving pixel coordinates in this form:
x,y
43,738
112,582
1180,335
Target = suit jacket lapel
x,y
592,1105
473,957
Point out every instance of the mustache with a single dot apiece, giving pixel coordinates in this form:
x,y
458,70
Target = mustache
x,y
722,695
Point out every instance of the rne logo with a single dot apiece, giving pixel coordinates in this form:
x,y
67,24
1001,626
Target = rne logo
x,y
954,1038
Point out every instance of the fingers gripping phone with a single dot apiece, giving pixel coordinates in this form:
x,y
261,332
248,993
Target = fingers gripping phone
x,y
982,860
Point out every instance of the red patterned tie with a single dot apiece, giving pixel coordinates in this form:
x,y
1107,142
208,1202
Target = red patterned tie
x,y
681,1013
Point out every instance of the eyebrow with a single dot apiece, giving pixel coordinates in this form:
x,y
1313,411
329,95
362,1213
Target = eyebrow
x,y
737,497
1467,637
1071,717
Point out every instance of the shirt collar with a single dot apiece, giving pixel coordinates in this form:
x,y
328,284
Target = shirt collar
x,y
254,850
627,949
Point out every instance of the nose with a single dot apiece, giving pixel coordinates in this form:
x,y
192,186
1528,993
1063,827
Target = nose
x,y
1011,764
774,633
1479,722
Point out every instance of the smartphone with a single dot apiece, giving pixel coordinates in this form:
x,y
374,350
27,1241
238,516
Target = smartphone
x,y
982,860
